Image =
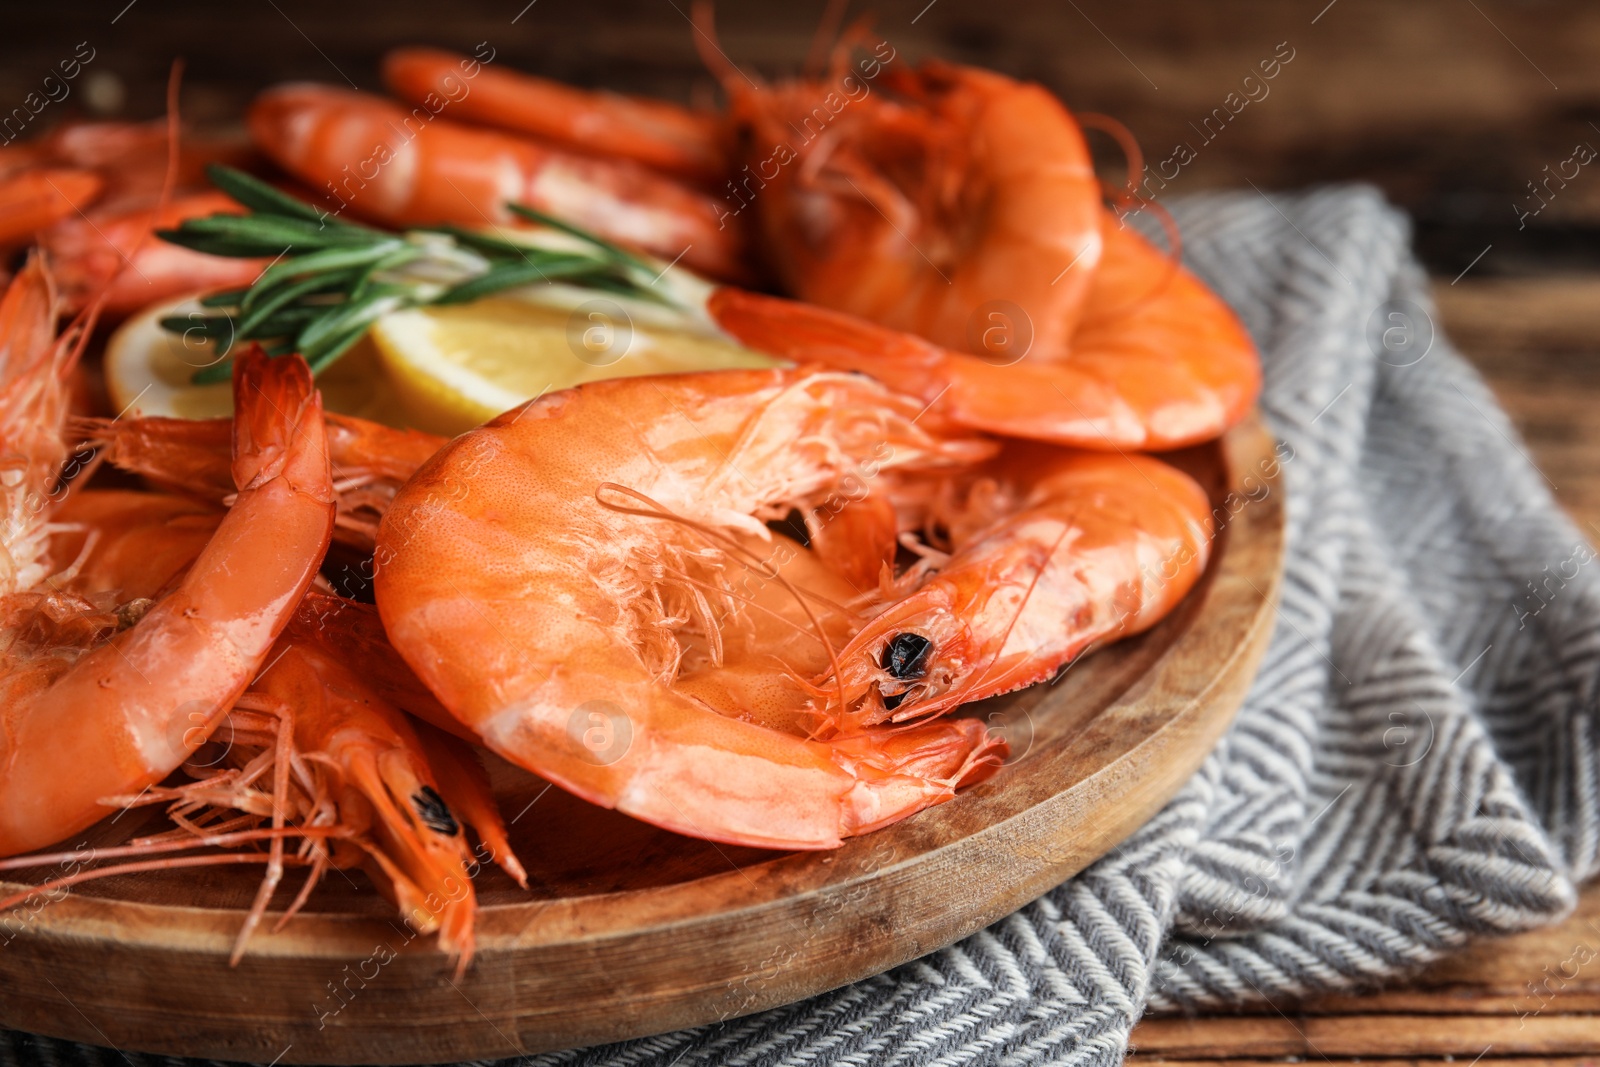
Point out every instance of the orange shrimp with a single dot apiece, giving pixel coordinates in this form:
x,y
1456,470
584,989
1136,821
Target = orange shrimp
x,y
35,365
134,157
546,575
931,202
110,251
125,712
351,633
1051,551
34,199
381,791
411,167
656,134
961,207
127,542
1158,361
190,456
350,775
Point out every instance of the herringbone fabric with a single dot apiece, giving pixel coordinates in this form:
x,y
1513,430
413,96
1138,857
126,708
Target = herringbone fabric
x,y
1414,766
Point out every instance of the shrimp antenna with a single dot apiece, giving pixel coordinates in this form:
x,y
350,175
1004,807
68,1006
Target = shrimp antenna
x,y
1131,201
1174,257
702,16
822,40
653,510
226,859
151,847
1132,155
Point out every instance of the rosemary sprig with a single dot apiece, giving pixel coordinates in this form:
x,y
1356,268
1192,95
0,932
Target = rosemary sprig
x,y
331,279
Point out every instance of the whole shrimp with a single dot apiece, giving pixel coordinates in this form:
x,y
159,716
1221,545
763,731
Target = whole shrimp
x,y
961,207
1157,362
313,752
656,134
127,708
547,575
405,167
1049,551
940,192
90,193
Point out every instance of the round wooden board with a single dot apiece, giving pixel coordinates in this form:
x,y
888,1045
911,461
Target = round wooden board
x,y
630,930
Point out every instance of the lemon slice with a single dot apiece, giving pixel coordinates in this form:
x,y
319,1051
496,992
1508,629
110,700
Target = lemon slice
x,y
148,371
454,367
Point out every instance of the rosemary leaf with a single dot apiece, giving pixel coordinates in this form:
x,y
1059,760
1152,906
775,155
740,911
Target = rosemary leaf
x,y
338,346
331,279
263,199
263,300
614,252
512,275
325,261
341,317
406,253
280,321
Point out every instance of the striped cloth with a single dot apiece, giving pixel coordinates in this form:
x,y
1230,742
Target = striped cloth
x,y
1414,767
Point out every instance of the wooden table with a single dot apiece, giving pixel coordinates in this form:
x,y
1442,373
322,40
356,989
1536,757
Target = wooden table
x,y
1453,107
1529,999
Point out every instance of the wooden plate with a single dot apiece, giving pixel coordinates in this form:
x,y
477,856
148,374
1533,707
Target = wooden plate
x,y
631,930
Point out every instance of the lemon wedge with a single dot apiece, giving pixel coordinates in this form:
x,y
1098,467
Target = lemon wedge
x,y
148,371
454,367
444,369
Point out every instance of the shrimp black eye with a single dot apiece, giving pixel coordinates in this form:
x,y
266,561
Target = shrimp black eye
x,y
906,656
433,811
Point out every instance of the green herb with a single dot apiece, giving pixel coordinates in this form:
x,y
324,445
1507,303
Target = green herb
x,y
331,279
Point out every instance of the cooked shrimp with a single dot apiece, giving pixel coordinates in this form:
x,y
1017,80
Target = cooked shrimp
x,y
961,207
352,634
546,574
1051,551
34,399
1157,362
659,135
943,198
110,250
126,542
34,199
135,158
347,773
190,456
127,711
381,792
410,167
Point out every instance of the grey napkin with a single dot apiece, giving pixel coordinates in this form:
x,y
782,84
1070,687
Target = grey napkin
x,y
1415,765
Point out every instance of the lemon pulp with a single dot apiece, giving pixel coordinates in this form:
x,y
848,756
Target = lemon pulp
x,y
455,367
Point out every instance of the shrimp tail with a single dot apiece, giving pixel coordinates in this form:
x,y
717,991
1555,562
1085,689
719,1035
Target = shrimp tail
x,y
131,711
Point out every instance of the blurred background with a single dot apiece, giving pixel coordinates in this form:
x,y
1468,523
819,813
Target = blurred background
x,y
1479,117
